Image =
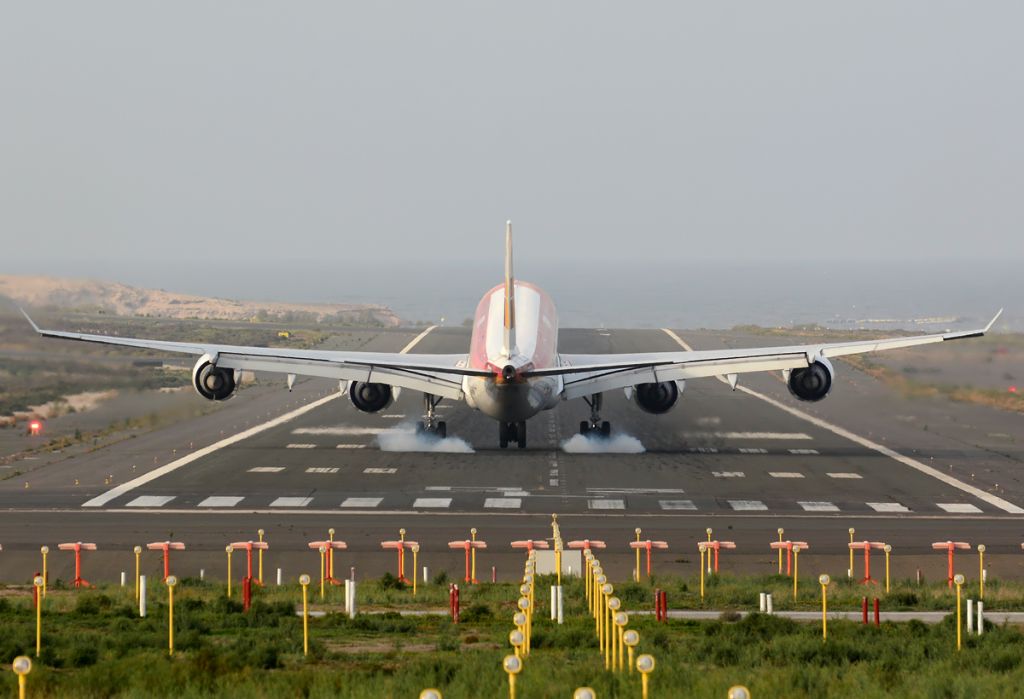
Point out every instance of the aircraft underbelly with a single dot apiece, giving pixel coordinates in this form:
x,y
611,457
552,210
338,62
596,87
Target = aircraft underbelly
x,y
511,402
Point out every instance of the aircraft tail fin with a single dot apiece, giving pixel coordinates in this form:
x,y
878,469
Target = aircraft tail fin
x,y
509,337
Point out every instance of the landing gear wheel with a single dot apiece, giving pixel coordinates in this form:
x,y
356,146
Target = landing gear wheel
x,y
442,429
584,427
606,429
503,435
521,434
420,427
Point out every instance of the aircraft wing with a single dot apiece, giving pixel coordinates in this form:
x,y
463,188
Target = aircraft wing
x,y
438,374
585,374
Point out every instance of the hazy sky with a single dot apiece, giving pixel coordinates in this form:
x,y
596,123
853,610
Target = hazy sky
x,y
143,133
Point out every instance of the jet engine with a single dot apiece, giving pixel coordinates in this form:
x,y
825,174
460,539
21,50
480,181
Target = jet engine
x,y
813,382
656,398
370,397
212,382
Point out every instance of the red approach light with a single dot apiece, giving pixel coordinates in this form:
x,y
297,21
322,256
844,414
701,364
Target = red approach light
x,y
1013,389
35,426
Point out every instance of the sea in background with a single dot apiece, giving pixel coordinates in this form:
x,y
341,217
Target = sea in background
x,y
629,294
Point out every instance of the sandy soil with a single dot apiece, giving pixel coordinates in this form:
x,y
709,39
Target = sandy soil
x,y
128,300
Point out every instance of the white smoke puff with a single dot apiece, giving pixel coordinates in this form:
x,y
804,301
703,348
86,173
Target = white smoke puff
x,y
406,438
619,444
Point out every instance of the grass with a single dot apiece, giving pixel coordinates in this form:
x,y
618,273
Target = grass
x,y
94,645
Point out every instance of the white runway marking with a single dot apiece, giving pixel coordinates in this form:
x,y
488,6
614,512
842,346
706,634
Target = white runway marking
x,y
380,470
300,446
350,446
553,482
503,503
747,505
515,493
804,451
393,417
266,469
616,444
728,474
962,508
818,506
221,501
710,421
995,501
844,475
752,450
637,491
606,504
677,505
746,435
785,474
150,501
887,507
702,450
433,502
340,431
361,502
291,502
106,497
321,469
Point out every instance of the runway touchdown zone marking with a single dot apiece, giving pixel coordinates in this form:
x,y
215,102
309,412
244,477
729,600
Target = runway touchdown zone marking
x,y
844,475
380,471
785,474
131,485
266,469
995,501
319,469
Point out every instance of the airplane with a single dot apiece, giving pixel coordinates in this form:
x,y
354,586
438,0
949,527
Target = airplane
x,y
514,370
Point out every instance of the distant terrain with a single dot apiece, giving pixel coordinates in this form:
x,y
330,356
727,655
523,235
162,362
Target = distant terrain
x,y
92,296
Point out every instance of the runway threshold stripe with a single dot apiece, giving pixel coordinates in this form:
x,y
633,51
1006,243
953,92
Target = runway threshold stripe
x,y
131,485
994,500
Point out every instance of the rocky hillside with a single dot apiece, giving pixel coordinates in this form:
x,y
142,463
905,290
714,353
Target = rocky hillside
x,y
120,299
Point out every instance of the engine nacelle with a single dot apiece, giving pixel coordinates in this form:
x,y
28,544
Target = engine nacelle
x,y
656,398
813,382
212,382
370,397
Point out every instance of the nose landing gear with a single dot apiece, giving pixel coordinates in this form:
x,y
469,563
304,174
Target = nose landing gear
x,y
512,432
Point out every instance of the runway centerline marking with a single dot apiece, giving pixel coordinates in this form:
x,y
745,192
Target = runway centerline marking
x,y
266,469
844,475
300,446
728,474
994,500
131,485
785,474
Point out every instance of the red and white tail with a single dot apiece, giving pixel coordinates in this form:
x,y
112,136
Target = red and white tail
x,y
509,337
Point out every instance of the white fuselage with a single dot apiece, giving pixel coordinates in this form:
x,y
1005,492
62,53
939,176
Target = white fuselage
x,y
536,347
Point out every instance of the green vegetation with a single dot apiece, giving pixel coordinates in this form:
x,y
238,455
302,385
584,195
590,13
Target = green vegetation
x,y
94,645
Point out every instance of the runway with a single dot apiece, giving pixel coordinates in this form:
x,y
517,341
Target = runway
x,y
742,462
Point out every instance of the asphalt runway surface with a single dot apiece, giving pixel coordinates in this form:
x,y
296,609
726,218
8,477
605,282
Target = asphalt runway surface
x,y
745,462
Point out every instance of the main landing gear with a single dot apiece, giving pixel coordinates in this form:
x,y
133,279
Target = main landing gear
x,y
595,426
512,432
430,424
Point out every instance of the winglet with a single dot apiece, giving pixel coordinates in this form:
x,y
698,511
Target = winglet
x,y
32,322
993,321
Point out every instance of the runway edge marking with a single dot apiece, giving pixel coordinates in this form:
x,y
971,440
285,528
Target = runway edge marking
x,y
994,500
131,485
